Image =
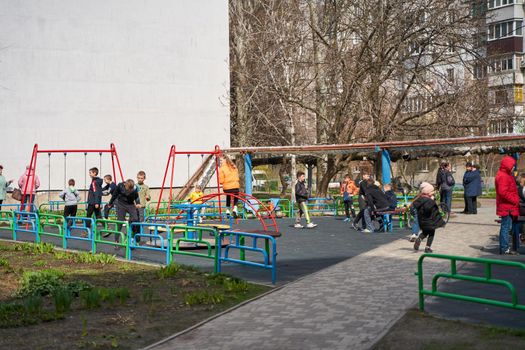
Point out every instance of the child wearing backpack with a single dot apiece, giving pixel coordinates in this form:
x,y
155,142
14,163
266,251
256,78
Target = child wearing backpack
x,y
71,196
428,216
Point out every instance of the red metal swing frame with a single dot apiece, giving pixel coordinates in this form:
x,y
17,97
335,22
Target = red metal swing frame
x,y
243,197
34,156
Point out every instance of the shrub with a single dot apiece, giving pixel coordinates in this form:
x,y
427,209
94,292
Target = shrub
x,y
4,263
40,282
91,298
40,263
33,304
168,271
35,248
62,298
89,258
203,297
236,286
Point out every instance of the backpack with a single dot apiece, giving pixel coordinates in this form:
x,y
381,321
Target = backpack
x,y
450,180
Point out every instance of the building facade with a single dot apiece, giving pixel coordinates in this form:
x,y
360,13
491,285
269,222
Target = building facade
x,y
86,73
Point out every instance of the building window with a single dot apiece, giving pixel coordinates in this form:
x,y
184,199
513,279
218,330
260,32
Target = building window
x,y
479,71
422,166
501,126
501,64
450,75
498,3
500,97
505,29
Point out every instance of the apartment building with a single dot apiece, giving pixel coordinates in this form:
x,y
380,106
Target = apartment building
x,y
505,66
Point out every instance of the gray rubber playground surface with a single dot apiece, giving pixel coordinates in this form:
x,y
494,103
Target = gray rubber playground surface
x,y
300,251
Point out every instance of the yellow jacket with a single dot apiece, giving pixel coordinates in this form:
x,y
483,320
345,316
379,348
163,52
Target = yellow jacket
x,y
195,196
229,177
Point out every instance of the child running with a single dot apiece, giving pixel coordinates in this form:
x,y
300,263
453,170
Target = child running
x,y
301,197
348,190
428,216
71,196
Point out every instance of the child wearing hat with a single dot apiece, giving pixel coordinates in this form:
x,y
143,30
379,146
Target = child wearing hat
x,y
428,216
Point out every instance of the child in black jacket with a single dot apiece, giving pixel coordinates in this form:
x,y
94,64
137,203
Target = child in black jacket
x,y
126,196
301,197
428,216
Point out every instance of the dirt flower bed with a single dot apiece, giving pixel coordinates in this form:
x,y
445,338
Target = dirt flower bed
x,y
52,299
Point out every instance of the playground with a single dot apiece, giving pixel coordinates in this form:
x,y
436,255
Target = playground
x,y
318,277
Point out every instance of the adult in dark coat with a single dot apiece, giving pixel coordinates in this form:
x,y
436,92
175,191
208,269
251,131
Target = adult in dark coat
x,y
472,188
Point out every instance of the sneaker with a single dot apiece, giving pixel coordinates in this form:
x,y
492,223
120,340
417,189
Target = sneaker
x,y
417,243
413,237
428,250
366,231
235,213
311,225
106,234
346,220
298,226
354,226
227,213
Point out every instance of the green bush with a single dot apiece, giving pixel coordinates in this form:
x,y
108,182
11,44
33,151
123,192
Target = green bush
x,y
168,271
4,263
91,298
90,258
34,304
62,298
40,282
35,248
203,297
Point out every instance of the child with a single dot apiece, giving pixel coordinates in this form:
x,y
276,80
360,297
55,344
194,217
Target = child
x,y
108,190
196,197
94,195
428,216
71,196
301,196
349,189
391,196
144,195
126,196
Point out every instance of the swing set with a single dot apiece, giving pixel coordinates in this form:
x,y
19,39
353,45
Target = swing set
x,y
264,214
32,167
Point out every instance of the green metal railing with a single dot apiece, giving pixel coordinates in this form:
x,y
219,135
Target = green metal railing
x,y
52,221
211,251
111,227
486,279
8,217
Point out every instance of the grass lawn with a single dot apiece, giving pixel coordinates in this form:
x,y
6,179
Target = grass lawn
x,y
420,331
51,299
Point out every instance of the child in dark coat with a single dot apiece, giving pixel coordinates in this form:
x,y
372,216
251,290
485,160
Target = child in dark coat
x,y
428,216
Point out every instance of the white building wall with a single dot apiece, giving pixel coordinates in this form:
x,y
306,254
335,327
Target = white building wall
x,y
85,73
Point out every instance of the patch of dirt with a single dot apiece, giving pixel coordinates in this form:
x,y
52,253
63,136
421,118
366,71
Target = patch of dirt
x,y
420,331
156,307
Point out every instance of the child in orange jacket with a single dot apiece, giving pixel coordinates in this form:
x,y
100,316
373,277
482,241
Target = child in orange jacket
x,y
349,189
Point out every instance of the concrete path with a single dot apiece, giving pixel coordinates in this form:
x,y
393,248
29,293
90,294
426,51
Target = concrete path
x,y
349,305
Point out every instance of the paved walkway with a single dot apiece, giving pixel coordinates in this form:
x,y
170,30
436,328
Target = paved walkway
x,y
349,305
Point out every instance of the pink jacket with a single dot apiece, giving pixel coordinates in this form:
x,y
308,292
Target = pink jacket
x,y
23,179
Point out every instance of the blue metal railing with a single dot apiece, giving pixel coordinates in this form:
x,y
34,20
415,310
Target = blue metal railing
x,y
238,242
